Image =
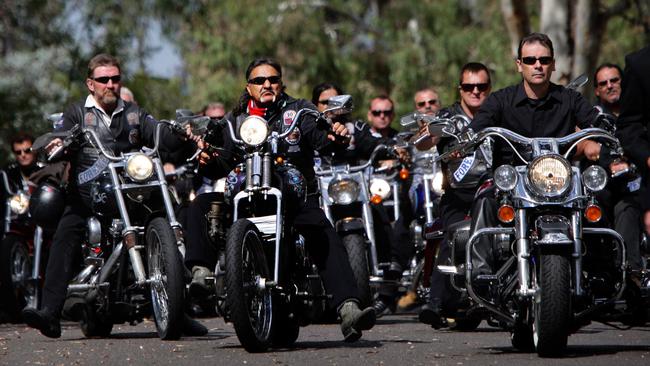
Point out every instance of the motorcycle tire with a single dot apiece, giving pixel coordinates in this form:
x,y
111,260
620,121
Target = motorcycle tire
x,y
168,289
250,308
16,290
92,325
355,245
552,306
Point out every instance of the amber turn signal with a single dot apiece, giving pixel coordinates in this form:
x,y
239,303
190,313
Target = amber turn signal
x,y
404,174
375,199
506,214
279,160
593,213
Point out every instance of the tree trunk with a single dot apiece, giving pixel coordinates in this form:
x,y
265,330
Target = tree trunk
x,y
555,23
515,15
589,27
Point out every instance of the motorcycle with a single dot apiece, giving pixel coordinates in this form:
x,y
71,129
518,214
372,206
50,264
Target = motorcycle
x,y
132,213
553,273
272,286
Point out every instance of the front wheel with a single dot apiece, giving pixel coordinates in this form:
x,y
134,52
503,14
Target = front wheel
x,y
16,287
249,305
552,305
166,272
355,245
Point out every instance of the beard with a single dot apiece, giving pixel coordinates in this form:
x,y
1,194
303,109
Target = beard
x,y
108,99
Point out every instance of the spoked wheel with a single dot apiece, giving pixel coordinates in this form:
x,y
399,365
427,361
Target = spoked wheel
x,y
16,288
552,305
249,305
166,271
355,245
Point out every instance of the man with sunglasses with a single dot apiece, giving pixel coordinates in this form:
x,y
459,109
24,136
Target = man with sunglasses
x,y
426,101
462,177
607,87
536,107
122,127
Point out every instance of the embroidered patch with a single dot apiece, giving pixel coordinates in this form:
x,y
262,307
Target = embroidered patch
x,y
90,120
132,118
134,137
288,116
464,168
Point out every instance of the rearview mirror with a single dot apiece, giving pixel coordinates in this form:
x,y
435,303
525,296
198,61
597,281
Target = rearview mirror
x,y
339,104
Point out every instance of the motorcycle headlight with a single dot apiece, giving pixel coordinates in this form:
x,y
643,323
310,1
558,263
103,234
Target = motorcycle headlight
x,y
380,187
594,178
549,176
343,191
139,167
436,183
19,204
253,130
505,177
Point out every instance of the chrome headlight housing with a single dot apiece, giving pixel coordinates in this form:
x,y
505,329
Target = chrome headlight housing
x,y
344,191
549,175
19,203
139,167
380,187
594,178
253,130
505,177
436,183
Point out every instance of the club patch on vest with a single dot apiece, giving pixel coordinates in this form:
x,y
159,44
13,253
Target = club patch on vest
x,y
90,120
288,116
132,118
134,137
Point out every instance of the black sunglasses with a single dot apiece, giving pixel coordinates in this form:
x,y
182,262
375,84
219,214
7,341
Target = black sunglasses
x,y
531,60
470,87
379,113
324,101
23,151
612,80
105,79
260,80
424,102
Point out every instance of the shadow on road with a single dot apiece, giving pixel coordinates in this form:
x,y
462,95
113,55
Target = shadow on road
x,y
577,351
310,345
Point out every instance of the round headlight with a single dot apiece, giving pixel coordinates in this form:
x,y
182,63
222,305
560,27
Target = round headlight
x,y
549,175
343,191
505,177
253,130
139,167
380,187
436,183
19,203
594,178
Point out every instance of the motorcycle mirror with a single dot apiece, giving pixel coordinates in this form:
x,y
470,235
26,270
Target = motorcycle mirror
x,y
339,104
198,124
182,112
56,119
578,82
441,129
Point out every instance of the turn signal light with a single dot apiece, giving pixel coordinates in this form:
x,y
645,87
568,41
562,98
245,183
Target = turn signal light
x,y
404,174
130,239
593,213
506,214
375,199
279,160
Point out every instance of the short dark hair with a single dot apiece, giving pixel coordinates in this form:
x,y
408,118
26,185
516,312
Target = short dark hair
x,y
318,89
381,97
20,137
606,65
263,61
474,67
102,59
540,38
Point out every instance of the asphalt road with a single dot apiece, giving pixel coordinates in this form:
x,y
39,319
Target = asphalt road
x,y
395,340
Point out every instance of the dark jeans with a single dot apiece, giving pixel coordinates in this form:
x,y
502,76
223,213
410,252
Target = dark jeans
x,y
199,250
65,255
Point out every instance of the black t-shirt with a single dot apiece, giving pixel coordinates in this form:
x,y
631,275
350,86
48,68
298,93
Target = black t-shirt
x,y
556,115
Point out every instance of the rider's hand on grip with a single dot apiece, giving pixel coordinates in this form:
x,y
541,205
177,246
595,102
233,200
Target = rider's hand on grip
x,y
339,133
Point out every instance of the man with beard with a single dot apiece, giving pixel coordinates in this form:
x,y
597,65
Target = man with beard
x,y
122,127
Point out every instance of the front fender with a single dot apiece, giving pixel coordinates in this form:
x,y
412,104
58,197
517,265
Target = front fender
x,y
349,224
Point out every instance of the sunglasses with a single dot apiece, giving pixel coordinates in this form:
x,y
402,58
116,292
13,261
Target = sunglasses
x,y
23,151
104,79
324,101
424,102
216,118
260,80
470,87
385,113
531,60
612,80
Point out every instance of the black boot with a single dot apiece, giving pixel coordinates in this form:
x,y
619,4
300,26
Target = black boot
x,y
44,320
430,314
354,320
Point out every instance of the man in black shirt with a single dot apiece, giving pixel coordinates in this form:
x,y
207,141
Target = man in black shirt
x,y
534,108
